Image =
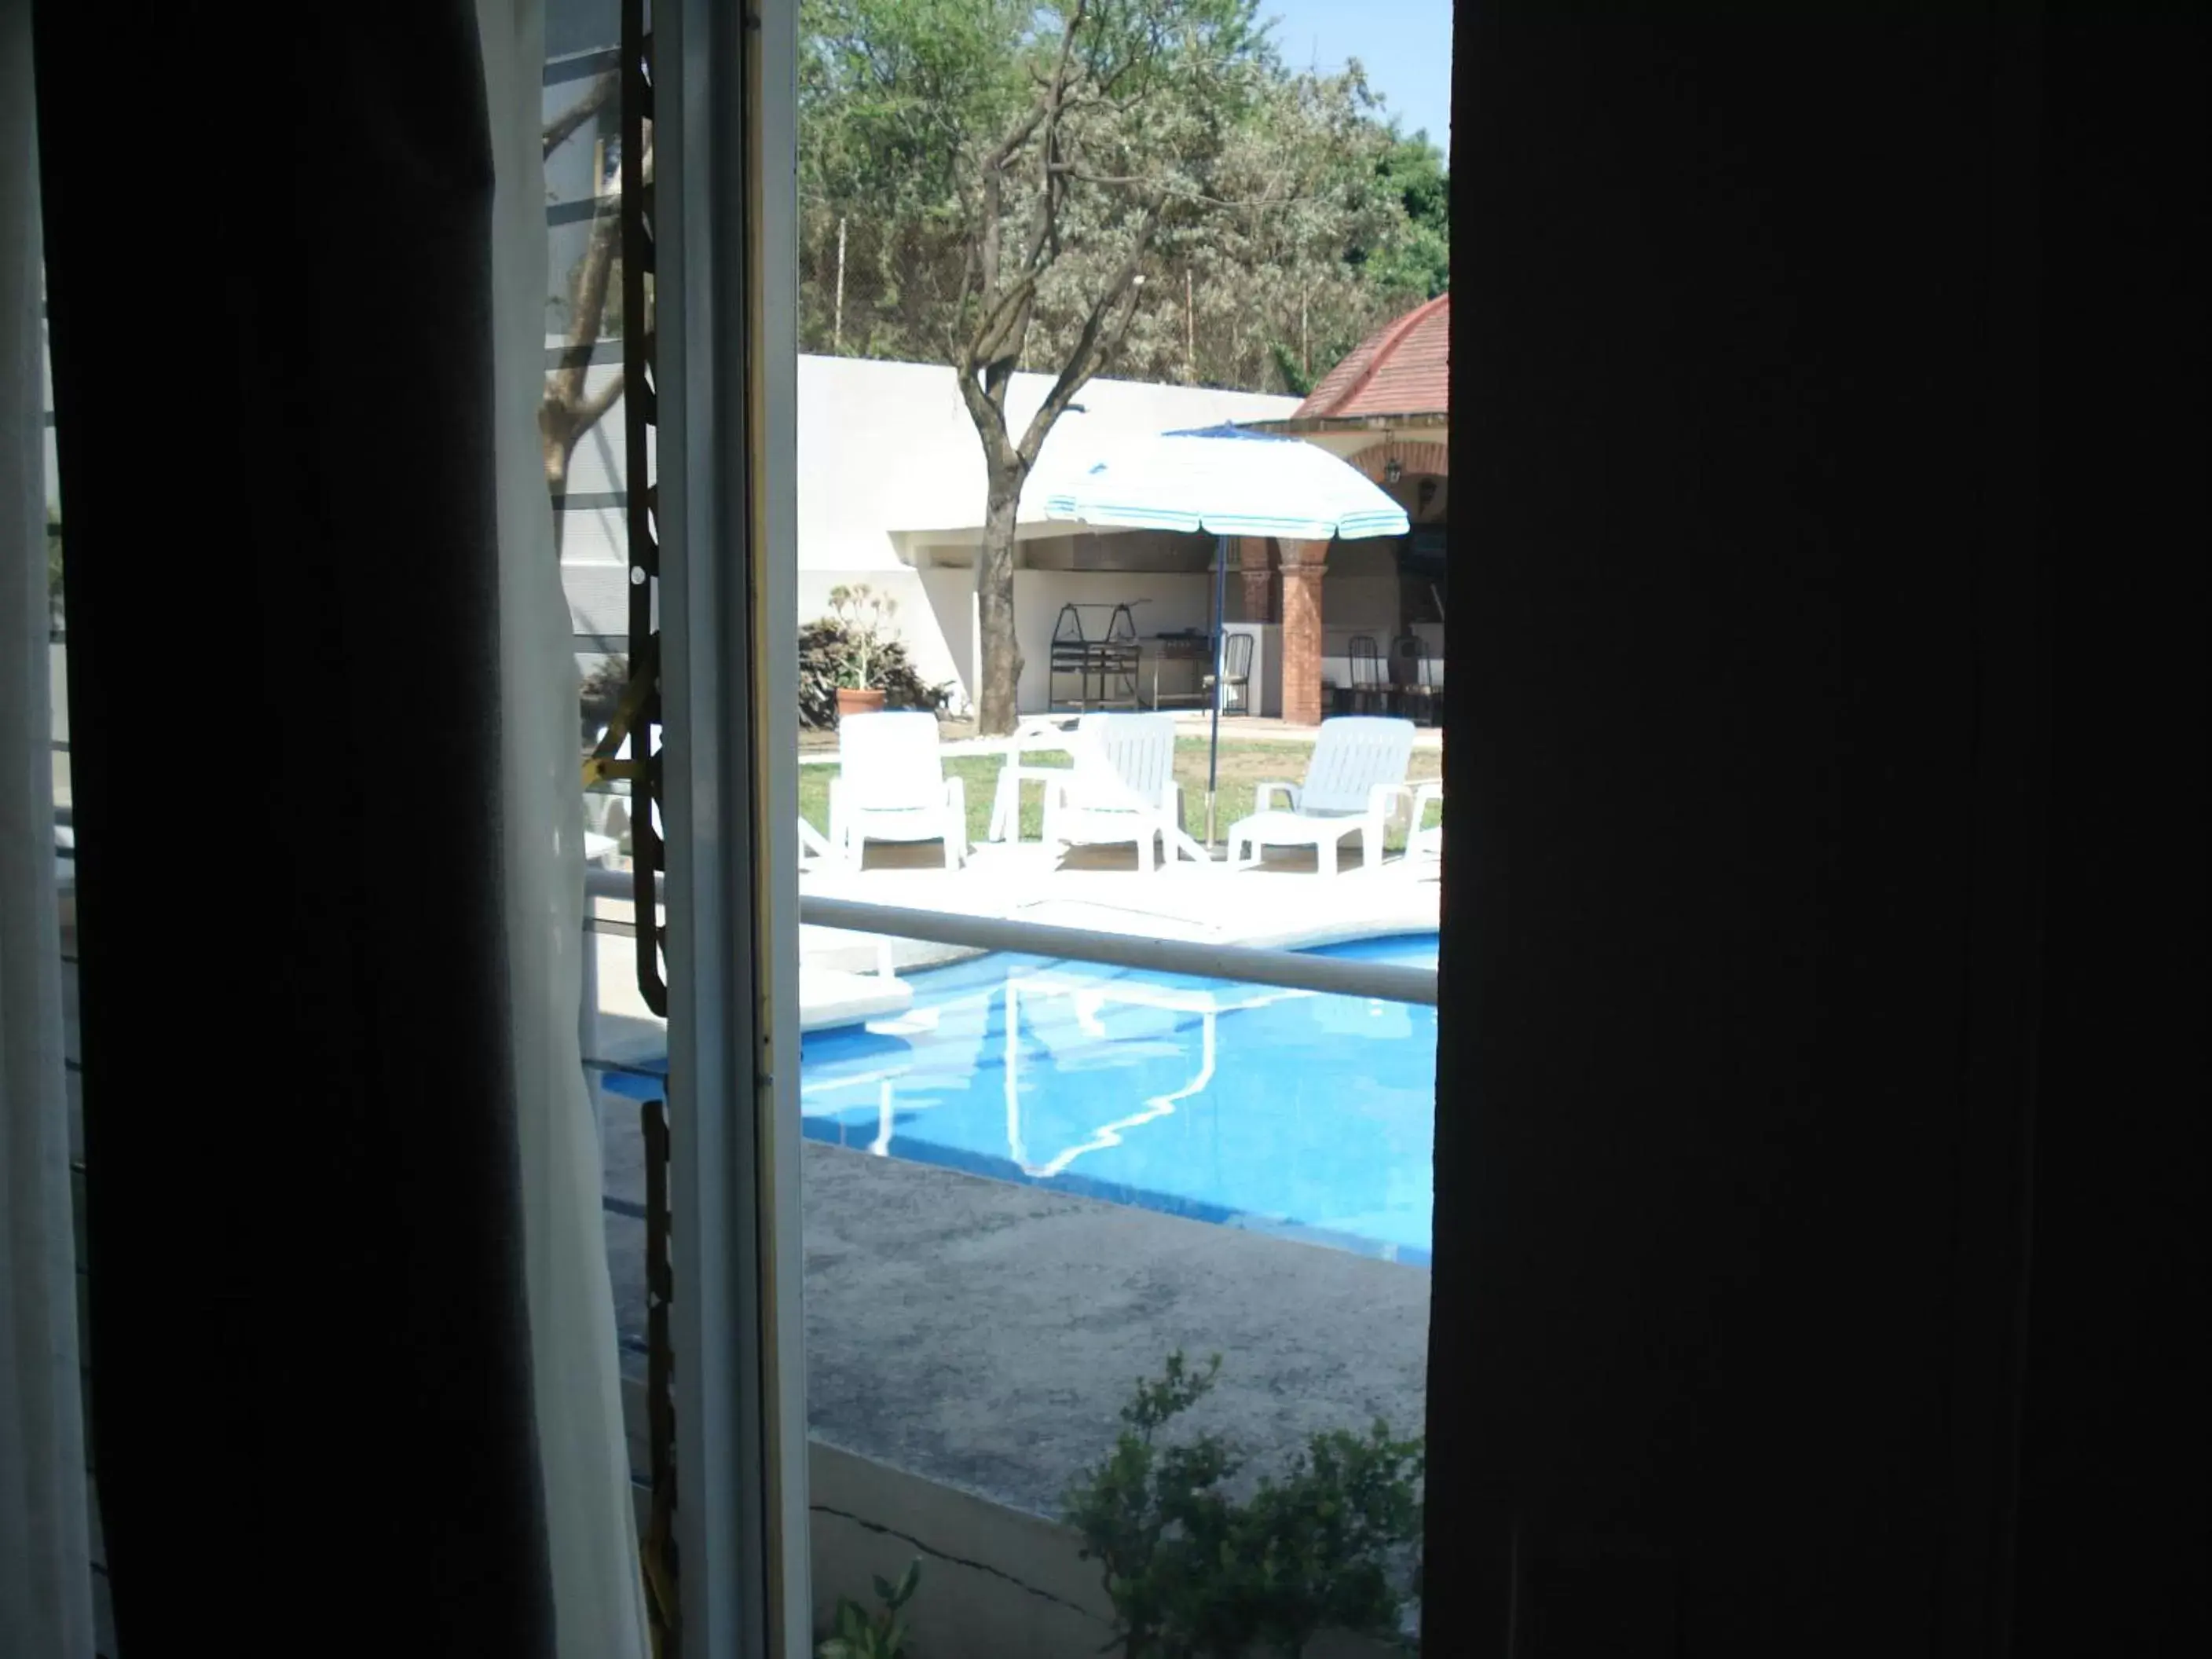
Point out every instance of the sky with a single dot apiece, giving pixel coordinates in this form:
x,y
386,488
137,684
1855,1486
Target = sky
x,y
1405,46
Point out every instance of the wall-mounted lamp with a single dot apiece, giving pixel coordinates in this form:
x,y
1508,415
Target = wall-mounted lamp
x,y
1392,469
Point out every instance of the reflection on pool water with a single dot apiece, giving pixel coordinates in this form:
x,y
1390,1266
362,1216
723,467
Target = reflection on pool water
x,y
1285,1111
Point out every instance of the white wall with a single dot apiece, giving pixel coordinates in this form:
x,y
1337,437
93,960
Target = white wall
x,y
600,536
934,623
888,459
884,447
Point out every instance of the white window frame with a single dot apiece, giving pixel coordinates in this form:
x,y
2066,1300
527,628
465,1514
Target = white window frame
x,y
725,144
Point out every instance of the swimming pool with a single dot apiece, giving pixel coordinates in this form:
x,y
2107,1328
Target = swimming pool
x,y
1288,1112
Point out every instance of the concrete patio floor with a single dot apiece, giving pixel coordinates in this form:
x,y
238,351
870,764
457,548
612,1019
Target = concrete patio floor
x,y
986,1335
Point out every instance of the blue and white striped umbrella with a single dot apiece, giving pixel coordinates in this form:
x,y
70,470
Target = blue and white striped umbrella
x,y
1226,481
1229,482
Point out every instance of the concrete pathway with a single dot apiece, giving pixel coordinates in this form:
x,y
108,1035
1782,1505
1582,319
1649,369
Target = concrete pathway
x,y
986,1334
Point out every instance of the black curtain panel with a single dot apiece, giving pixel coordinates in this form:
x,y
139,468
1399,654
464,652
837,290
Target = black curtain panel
x,y
1817,1163
268,243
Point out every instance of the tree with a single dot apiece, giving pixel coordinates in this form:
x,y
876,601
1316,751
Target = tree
x,y
569,410
1419,257
1005,186
1050,147
1284,284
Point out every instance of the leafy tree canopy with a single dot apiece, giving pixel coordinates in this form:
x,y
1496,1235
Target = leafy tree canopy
x,y
1281,215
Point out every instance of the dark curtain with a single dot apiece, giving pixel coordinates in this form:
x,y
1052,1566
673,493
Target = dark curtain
x,y
1817,1159
267,241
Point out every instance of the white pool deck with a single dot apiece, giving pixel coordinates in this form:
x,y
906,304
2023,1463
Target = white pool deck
x,y
1191,725
1284,905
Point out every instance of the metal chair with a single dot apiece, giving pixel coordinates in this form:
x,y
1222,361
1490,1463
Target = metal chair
x,y
1370,691
1236,675
1411,693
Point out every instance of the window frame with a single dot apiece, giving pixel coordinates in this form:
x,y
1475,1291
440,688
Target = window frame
x,y
725,368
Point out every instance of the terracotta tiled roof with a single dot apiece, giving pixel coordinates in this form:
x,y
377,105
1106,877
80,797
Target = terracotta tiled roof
x,y
1402,369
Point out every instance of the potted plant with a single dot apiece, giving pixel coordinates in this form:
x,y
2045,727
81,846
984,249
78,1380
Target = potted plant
x,y
863,615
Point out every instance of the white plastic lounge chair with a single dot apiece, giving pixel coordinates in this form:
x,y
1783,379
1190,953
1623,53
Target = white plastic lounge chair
x,y
1424,846
813,846
1357,773
1048,734
890,787
1121,787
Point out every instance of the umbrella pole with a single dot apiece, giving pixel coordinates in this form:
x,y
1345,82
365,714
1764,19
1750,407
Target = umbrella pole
x,y
1214,735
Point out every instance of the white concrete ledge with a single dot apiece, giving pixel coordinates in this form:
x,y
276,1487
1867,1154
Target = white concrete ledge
x,y
830,997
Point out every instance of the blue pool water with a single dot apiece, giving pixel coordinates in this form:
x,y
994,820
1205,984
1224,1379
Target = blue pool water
x,y
1289,1112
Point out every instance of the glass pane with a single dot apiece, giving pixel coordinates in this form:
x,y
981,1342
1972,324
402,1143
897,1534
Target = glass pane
x,y
1029,1179
621,1039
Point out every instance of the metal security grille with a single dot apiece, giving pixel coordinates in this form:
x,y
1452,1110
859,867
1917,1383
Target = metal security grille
x,y
629,750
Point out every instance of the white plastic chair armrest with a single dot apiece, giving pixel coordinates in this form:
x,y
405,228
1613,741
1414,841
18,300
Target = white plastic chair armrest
x,y
956,797
1384,796
1265,793
1055,805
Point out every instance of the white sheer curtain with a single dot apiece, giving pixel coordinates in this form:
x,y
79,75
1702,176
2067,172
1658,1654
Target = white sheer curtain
x,y
45,1568
598,1596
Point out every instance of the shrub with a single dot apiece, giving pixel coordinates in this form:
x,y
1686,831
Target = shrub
x,y
1193,1573
858,1636
825,659
601,691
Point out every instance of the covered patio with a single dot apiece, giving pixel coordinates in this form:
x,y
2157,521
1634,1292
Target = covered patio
x,y
1362,624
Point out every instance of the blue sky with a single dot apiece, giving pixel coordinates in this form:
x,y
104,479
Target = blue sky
x,y
1405,45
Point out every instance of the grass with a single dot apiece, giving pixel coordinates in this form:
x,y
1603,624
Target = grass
x,y
1243,767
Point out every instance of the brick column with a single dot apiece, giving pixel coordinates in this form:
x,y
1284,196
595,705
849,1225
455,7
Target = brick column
x,y
1303,565
1255,559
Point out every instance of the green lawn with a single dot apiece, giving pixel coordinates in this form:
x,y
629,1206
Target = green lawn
x,y
1244,767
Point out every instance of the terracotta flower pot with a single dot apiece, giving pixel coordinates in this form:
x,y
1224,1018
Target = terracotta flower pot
x,y
868,700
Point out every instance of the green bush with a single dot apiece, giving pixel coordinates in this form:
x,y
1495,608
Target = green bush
x,y
1331,1543
859,1636
601,691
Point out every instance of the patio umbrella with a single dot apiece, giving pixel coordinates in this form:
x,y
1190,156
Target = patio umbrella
x,y
1232,482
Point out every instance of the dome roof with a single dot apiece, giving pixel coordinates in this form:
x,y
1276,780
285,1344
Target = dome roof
x,y
1404,367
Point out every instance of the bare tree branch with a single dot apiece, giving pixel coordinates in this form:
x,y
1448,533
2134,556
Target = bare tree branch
x,y
1098,338
990,421
1043,110
558,130
1007,315
567,412
588,311
593,409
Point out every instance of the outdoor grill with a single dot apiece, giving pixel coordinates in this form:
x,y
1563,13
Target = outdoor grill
x,y
1102,663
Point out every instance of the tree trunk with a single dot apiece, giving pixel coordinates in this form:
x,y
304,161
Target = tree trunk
x,y
994,606
837,324
555,446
